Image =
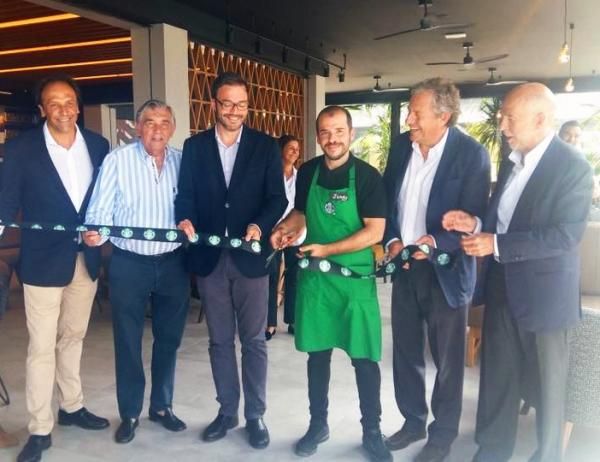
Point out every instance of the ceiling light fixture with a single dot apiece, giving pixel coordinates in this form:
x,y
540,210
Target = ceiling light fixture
x,y
7,93
58,66
563,55
62,46
104,76
455,35
570,85
39,20
342,73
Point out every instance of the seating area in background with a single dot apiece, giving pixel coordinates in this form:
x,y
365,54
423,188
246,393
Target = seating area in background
x,y
9,253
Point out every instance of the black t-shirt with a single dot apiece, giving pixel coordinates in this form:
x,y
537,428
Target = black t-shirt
x,y
370,192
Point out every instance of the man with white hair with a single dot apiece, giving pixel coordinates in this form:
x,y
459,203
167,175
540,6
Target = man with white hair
x,y
530,275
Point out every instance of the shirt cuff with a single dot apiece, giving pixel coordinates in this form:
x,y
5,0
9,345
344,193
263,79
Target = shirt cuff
x,y
434,242
478,226
496,253
388,243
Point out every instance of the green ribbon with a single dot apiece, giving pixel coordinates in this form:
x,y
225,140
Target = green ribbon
x,y
145,234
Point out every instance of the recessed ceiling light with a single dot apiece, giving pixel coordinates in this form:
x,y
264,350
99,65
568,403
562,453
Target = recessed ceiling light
x,y
455,35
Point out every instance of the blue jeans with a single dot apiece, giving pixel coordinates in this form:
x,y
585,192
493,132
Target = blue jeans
x,y
134,281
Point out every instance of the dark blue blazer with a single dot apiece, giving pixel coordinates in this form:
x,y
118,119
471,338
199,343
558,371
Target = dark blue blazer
x,y
256,194
31,184
462,181
539,251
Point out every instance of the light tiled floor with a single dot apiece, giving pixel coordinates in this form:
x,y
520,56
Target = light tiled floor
x,y
287,415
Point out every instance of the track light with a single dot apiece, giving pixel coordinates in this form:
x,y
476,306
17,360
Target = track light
x,y
564,56
342,76
326,72
570,85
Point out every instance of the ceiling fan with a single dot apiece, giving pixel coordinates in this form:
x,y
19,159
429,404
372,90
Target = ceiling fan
x,y
468,61
493,80
425,24
379,89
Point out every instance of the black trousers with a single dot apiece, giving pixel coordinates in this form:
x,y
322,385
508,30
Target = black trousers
x,y
134,280
517,363
419,306
290,261
368,382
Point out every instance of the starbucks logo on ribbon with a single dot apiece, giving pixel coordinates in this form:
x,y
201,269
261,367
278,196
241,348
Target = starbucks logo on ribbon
x,y
255,246
235,243
149,234
443,259
425,249
405,254
58,228
126,233
194,238
390,268
104,231
13,225
36,226
214,240
303,263
345,271
171,235
81,229
324,266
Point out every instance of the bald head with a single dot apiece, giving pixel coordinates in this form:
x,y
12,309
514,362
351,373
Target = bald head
x,y
527,116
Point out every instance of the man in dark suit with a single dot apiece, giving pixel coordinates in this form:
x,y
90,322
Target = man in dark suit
x,y
431,169
231,184
530,276
49,174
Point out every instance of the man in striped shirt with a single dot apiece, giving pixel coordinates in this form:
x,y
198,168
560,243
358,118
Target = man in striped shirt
x,y
136,187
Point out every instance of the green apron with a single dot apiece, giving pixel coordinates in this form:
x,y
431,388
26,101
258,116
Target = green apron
x,y
333,311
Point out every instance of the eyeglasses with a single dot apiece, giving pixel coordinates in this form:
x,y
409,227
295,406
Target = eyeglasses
x,y
242,105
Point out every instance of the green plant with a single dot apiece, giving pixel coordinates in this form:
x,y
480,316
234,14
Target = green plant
x,y
374,145
487,132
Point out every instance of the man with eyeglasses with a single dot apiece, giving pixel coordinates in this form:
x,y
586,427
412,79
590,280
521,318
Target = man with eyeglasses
x,y
231,185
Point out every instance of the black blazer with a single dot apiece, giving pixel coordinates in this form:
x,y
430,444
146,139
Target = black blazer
x,y
539,251
31,184
462,181
256,194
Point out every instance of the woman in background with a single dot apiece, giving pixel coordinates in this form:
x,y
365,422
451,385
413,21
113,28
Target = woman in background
x,y
290,151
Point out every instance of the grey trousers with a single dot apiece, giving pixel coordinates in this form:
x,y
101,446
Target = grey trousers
x,y
517,363
231,299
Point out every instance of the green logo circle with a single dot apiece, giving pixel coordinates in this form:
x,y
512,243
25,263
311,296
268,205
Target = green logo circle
x,y
345,271
194,238
303,263
255,246
126,233
149,234
214,240
425,249
171,236
58,228
390,268
443,259
235,243
405,254
324,266
104,231
36,226
81,229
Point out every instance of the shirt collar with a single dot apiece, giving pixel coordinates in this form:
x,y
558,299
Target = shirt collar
x,y
533,157
436,150
50,141
237,141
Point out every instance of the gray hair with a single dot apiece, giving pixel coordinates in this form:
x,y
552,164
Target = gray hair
x,y
151,105
446,97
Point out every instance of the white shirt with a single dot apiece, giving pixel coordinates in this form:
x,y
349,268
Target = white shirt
x,y
414,193
228,155
516,182
290,194
73,165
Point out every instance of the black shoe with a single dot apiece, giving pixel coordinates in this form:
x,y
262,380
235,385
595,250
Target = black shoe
x,y
432,453
402,438
258,434
373,442
83,419
32,451
168,420
307,445
291,329
269,335
218,427
126,431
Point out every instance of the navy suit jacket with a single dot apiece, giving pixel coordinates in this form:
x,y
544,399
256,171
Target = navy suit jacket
x,y
31,184
256,194
539,251
462,181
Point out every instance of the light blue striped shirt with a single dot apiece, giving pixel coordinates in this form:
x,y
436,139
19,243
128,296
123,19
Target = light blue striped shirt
x,y
130,192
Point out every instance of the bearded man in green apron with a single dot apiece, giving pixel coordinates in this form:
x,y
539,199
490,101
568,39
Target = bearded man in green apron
x,y
341,202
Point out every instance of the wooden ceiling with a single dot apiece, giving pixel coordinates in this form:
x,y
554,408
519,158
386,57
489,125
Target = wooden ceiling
x,y
23,60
